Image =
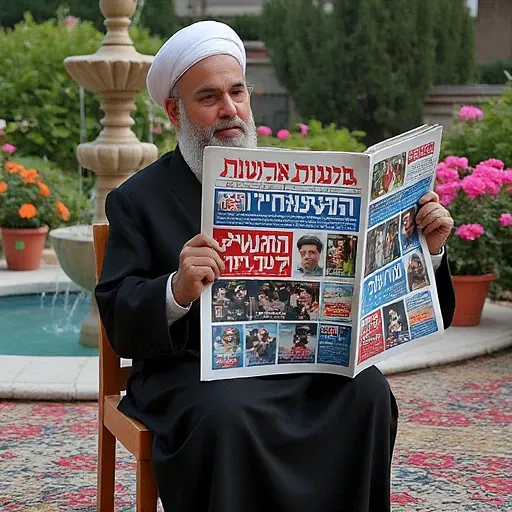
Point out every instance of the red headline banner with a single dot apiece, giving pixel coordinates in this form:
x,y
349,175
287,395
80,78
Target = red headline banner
x,y
255,253
421,152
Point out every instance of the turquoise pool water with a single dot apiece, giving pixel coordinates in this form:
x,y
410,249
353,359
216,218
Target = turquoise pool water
x,y
43,325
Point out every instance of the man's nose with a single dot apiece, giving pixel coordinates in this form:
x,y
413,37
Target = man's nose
x,y
228,107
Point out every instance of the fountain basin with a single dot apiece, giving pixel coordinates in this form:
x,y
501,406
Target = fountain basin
x,y
46,324
75,251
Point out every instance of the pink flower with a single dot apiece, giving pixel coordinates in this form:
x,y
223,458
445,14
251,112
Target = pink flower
x,y
506,176
283,134
157,128
473,186
470,113
264,131
458,162
493,162
70,22
470,231
447,191
446,174
9,149
492,177
506,219
303,129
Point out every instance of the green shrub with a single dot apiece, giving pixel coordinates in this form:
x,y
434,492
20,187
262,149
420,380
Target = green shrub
x,y
318,138
480,140
363,65
488,138
74,190
493,72
40,101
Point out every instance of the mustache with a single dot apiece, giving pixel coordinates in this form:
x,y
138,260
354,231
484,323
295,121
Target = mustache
x,y
226,124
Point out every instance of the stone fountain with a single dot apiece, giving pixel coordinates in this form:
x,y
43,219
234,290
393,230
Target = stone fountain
x,y
117,73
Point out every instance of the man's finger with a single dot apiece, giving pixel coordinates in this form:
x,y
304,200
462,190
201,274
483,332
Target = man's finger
x,y
435,213
203,240
428,197
196,263
208,275
425,210
202,252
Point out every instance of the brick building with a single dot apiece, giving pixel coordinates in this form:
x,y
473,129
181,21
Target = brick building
x,y
493,29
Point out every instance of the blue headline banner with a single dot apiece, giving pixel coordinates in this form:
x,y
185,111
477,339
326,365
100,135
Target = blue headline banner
x,y
282,209
384,286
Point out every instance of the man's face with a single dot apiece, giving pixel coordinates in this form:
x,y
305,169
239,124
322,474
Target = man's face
x,y
213,107
309,256
408,223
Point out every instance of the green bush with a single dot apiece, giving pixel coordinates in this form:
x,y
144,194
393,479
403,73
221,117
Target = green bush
x,y
493,72
480,140
363,65
40,101
488,138
319,138
74,191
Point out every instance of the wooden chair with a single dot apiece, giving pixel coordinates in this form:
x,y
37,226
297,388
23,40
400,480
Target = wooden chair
x,y
114,425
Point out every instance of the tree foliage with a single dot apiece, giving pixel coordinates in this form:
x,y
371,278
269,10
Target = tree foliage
x,y
367,64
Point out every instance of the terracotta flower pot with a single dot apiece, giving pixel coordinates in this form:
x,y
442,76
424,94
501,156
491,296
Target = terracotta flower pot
x,y
23,247
470,295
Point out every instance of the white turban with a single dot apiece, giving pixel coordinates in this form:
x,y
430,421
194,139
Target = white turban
x,y
187,47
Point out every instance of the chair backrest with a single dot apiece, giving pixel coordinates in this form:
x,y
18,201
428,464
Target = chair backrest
x,y
113,376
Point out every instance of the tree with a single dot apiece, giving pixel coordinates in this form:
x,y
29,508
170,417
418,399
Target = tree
x,y
367,64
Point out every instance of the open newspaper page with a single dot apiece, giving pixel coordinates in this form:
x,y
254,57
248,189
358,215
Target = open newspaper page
x,y
399,307
290,223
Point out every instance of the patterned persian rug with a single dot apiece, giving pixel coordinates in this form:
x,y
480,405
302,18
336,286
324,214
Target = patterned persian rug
x,y
454,448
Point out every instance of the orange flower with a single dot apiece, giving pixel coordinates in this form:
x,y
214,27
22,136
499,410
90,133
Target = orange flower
x,y
13,167
62,211
43,189
3,187
29,175
27,211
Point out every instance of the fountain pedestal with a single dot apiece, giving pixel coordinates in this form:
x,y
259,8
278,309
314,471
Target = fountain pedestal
x,y
117,73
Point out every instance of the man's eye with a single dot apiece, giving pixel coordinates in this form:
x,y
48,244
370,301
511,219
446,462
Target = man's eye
x,y
209,97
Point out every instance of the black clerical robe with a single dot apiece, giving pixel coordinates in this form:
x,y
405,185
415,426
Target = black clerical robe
x,y
297,443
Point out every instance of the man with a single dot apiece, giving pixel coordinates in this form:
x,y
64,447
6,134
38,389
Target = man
x,y
213,439
310,250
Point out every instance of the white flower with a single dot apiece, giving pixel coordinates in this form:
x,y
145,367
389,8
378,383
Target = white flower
x,y
3,124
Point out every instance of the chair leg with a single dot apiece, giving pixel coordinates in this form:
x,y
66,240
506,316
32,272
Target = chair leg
x,y
106,470
147,493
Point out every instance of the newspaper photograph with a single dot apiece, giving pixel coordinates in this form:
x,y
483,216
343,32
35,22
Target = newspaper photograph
x,y
324,268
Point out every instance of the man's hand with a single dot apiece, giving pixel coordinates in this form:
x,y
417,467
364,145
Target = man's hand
x,y
200,264
435,221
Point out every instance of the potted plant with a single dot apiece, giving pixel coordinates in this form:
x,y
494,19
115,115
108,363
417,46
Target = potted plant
x,y
480,202
27,209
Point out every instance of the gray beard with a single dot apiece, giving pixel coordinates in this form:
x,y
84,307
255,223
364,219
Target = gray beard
x,y
192,140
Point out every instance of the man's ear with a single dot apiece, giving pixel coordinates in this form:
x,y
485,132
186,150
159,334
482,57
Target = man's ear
x,y
171,107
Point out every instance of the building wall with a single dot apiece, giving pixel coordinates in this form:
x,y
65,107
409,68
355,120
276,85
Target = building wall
x,y
494,30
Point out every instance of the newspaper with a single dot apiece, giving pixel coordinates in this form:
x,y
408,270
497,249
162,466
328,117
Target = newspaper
x,y
325,270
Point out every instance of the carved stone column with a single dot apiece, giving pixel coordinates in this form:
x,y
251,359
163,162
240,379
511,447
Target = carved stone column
x,y
117,73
